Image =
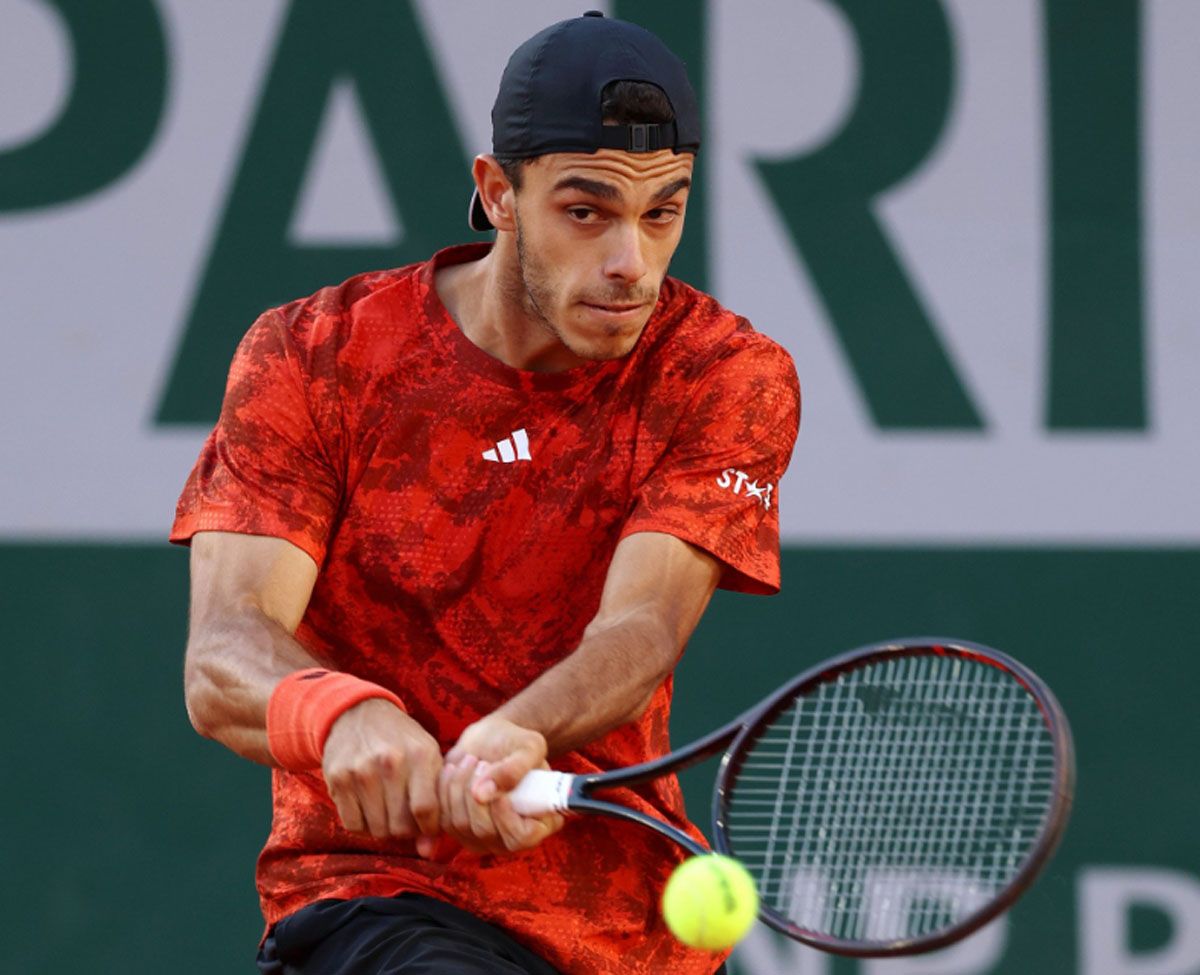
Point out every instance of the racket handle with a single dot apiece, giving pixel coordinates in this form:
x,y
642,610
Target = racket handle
x,y
542,792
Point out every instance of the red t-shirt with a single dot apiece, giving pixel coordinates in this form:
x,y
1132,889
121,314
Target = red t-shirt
x,y
463,515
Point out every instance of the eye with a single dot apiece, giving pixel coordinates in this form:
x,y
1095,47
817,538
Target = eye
x,y
662,214
581,214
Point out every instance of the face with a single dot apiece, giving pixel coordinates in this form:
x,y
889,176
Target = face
x,y
595,234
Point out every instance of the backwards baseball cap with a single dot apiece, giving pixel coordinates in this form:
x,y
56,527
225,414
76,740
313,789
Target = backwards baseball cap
x,y
549,98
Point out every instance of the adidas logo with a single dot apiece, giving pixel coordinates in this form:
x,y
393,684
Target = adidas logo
x,y
511,448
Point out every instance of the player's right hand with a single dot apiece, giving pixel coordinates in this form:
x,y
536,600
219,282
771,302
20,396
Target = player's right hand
x,y
486,762
381,769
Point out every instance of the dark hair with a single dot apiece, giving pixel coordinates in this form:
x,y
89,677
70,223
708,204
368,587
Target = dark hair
x,y
632,102
621,103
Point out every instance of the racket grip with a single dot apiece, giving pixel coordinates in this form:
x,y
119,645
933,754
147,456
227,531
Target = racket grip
x,y
542,792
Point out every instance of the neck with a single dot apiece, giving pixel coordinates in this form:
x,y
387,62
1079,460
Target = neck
x,y
488,301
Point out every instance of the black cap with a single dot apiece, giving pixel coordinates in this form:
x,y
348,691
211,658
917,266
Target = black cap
x,y
549,98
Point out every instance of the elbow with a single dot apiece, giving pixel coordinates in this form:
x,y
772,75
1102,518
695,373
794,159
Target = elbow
x,y
639,649
214,675
657,651
646,693
639,709
193,700
199,694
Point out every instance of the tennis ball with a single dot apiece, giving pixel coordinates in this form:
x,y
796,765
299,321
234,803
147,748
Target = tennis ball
x,y
710,902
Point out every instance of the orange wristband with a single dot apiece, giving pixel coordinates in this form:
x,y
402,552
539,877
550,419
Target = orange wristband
x,y
303,708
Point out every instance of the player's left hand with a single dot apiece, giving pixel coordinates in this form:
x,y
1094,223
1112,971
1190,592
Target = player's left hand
x,y
486,763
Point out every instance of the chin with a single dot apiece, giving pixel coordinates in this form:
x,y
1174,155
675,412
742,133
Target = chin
x,y
602,350
603,343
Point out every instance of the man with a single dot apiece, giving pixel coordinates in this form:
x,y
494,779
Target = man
x,y
460,518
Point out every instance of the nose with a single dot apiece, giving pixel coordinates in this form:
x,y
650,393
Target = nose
x,y
626,262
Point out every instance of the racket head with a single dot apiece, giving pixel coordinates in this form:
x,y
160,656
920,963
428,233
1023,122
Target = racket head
x,y
857,799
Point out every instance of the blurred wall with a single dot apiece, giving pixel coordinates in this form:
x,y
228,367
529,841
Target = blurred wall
x,y
975,225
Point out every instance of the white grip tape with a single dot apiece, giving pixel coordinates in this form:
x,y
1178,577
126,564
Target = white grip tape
x,y
542,792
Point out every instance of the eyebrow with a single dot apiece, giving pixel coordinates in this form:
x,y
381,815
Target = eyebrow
x,y
592,187
671,189
606,191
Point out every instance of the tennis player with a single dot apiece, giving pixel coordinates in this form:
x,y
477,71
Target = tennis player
x,y
459,519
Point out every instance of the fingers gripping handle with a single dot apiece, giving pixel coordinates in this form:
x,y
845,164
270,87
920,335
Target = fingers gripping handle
x,y
542,792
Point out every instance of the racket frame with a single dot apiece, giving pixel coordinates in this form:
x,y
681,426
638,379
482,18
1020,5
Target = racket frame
x,y
827,672
735,738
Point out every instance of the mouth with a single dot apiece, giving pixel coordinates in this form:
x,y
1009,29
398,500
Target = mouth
x,y
616,311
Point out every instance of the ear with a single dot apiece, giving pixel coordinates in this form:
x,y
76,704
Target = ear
x,y
495,192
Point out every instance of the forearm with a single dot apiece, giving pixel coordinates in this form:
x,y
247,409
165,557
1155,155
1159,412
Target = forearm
x,y
606,682
229,674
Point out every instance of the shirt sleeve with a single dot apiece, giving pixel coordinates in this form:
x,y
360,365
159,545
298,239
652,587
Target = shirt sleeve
x,y
265,469
717,486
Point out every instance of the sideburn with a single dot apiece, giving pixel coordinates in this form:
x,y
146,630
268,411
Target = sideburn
x,y
531,283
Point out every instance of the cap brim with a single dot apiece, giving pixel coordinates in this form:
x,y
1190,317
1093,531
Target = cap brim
x,y
476,215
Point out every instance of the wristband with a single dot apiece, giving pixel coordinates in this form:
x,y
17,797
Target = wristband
x,y
303,708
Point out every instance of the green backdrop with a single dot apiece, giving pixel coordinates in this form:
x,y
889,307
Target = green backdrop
x,y
129,842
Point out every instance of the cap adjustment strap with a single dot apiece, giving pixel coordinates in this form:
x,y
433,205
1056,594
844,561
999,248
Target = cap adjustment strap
x,y
639,136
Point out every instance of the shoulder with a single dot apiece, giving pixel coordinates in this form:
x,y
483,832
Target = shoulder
x,y
372,321
313,356
358,332
325,322
694,338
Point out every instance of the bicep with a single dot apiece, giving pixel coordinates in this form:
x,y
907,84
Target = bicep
x,y
232,572
660,577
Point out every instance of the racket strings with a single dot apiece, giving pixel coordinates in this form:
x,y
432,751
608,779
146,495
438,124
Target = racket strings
x,y
896,800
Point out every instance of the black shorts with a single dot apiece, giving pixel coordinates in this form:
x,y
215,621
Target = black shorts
x,y
409,934
385,935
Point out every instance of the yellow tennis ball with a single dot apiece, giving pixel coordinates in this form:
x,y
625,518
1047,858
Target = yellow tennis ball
x,y
710,902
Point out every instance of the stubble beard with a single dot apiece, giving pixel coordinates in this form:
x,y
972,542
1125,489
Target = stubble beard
x,y
538,295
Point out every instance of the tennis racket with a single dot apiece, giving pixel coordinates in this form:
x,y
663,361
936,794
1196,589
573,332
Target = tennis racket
x,y
889,801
